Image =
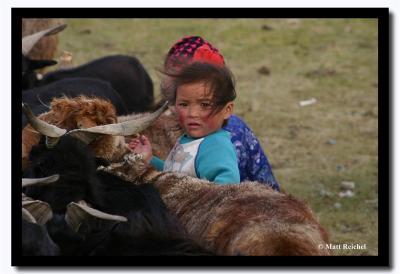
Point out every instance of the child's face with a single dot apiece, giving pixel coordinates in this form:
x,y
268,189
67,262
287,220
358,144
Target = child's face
x,y
194,105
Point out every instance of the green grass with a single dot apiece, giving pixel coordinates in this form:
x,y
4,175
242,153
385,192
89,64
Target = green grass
x,y
332,60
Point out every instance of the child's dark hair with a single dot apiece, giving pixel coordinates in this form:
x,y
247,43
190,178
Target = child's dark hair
x,y
219,81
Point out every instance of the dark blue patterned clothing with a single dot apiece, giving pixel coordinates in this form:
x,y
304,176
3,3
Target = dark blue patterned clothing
x,y
252,161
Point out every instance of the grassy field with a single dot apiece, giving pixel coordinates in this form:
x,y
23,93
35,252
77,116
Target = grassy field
x,y
278,63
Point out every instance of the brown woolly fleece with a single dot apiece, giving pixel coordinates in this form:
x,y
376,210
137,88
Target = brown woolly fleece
x,y
79,112
242,219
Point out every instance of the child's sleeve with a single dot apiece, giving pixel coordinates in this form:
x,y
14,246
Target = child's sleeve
x,y
157,163
216,161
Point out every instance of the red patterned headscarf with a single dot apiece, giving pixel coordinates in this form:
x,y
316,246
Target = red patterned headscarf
x,y
191,49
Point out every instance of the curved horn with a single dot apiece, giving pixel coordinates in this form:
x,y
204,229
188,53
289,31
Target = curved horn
x,y
41,126
28,216
28,42
78,213
39,210
45,180
121,129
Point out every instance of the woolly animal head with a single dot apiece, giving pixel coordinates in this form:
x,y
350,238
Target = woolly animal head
x,y
75,164
82,112
85,112
79,112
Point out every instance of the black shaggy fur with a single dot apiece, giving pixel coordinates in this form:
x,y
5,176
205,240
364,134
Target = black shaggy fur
x,y
37,98
125,74
150,229
36,241
29,66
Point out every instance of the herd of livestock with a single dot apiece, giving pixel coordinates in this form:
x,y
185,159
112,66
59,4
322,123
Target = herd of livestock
x,y
85,194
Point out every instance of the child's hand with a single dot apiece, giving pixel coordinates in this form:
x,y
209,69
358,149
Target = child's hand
x,y
141,145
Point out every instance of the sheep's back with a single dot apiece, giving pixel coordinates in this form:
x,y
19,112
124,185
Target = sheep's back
x,y
243,219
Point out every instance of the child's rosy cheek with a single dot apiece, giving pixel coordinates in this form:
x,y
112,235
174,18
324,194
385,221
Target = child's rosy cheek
x,y
210,123
207,123
210,126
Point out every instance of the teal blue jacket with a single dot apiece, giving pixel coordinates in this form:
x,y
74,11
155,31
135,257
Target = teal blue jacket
x,y
215,161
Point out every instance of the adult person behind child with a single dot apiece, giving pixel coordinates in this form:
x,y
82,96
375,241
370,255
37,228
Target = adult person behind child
x,y
203,96
252,162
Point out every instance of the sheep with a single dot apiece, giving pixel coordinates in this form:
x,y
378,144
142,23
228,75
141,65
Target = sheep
x,y
125,74
137,221
240,219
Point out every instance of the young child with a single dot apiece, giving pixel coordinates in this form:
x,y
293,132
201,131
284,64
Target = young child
x,y
203,96
252,162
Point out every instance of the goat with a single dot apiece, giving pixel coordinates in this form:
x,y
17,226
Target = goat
x,y
35,214
30,65
142,225
46,48
245,219
125,74
36,240
74,113
80,113
40,97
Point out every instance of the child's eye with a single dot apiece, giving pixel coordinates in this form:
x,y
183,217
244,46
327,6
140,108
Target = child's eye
x,y
182,104
205,105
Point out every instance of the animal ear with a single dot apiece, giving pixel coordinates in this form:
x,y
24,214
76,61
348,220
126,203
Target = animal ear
x,y
38,64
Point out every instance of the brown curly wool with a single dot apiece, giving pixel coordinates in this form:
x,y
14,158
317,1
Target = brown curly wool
x,y
242,219
79,112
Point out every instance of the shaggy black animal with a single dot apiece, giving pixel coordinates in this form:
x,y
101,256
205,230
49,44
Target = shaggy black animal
x,y
29,66
40,97
36,241
125,74
29,41
150,229
137,237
